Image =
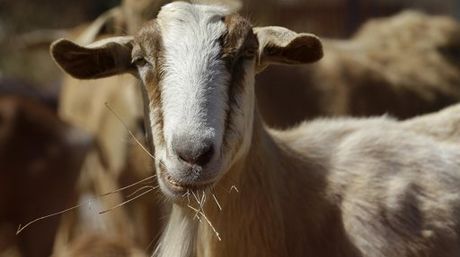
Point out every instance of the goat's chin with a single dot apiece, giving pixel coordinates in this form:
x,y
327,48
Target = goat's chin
x,y
176,190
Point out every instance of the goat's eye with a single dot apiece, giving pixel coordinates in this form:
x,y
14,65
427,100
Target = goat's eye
x,y
139,61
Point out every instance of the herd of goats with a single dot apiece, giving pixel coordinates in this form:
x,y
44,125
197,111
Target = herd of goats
x,y
165,143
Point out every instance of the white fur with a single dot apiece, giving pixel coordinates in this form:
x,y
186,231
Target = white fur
x,y
194,91
179,229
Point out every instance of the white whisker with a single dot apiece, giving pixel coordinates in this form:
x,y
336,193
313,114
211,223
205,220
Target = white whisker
x,y
129,186
140,189
208,221
217,202
233,188
21,228
127,201
196,198
188,195
203,200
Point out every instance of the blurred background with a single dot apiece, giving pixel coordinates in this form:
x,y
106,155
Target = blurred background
x,y
60,146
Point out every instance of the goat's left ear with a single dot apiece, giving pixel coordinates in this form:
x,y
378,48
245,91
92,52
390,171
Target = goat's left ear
x,y
102,58
278,45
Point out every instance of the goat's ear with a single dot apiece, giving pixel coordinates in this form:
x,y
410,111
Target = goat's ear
x,y
278,45
102,58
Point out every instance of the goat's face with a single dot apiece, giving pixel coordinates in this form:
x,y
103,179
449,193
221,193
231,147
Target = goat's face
x,y
198,65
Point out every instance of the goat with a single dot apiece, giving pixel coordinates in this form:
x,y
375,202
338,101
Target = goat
x,y
403,65
83,106
119,162
344,187
40,159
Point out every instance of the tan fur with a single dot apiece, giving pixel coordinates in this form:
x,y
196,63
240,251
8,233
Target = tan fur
x,y
344,187
328,188
335,189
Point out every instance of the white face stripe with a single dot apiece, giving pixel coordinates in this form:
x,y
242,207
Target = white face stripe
x,y
202,90
194,94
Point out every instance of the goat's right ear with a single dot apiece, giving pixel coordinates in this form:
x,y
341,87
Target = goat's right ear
x,y
102,58
278,45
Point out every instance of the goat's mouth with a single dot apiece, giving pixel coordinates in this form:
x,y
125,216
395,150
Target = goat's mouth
x,y
176,188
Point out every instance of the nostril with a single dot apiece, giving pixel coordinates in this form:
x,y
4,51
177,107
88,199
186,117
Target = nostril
x,y
205,156
197,156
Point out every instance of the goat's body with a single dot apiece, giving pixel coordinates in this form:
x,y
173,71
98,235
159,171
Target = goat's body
x,y
443,125
332,192
398,193
118,163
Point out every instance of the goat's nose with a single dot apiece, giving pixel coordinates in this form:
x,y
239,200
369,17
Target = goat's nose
x,y
193,153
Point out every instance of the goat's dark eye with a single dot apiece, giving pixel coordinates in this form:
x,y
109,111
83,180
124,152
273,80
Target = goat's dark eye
x,y
139,61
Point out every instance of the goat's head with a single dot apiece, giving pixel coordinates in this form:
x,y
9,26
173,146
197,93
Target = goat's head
x,y
198,65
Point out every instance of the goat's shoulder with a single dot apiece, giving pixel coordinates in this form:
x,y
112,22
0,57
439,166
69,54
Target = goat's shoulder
x,y
373,151
390,185
402,183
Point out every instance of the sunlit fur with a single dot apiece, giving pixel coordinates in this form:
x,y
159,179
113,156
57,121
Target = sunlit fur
x,y
314,191
340,187
180,235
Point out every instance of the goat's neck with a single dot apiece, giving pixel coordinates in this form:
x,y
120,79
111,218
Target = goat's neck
x,y
261,192
276,187
251,204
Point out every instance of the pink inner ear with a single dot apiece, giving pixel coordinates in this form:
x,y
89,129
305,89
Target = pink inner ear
x,y
303,49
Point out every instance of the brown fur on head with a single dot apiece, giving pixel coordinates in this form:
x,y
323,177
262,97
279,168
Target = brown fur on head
x,y
222,65
239,46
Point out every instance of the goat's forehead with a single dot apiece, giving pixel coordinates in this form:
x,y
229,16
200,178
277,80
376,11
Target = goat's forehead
x,y
201,20
190,12
183,24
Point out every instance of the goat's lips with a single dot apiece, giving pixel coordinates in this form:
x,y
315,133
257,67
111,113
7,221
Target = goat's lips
x,y
179,187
